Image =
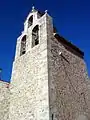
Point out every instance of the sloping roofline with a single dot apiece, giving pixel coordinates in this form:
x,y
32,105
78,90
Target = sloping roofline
x,y
68,45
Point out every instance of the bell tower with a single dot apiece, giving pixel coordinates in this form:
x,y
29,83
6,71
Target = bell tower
x,y
29,81
49,77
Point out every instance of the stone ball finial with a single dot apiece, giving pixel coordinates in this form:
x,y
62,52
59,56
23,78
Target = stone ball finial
x,y
46,11
33,8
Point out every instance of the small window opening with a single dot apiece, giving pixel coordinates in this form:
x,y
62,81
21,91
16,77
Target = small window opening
x,y
30,21
52,116
35,36
23,46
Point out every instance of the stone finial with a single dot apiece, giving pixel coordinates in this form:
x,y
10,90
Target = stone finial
x,y
33,8
46,11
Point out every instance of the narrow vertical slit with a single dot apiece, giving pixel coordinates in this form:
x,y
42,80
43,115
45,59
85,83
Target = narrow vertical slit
x,y
52,117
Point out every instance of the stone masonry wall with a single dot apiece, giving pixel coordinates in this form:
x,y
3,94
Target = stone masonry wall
x,y
69,97
29,82
44,84
4,100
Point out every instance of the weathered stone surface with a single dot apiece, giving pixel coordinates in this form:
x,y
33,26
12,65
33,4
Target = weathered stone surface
x,y
4,100
67,83
49,81
29,82
82,117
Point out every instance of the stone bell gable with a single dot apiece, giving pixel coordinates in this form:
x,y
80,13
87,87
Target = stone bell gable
x,y
49,76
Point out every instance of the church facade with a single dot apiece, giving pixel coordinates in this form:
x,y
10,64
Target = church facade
x,y
49,79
